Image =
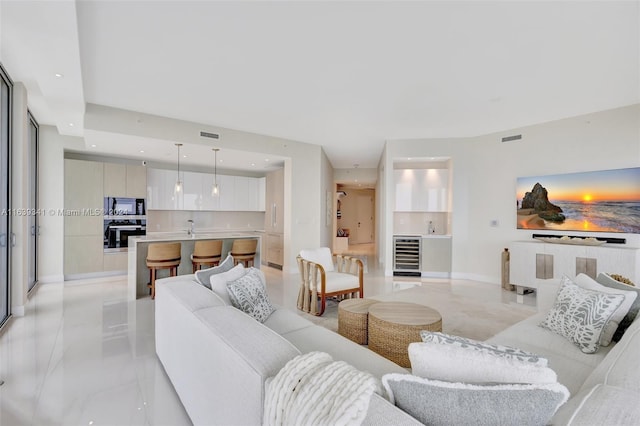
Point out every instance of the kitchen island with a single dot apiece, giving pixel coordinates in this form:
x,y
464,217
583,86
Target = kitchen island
x,y
138,273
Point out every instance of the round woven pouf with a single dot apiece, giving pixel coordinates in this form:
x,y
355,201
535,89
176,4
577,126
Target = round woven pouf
x,y
352,319
393,325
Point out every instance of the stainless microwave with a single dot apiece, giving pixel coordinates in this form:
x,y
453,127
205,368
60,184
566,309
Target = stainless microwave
x,y
123,206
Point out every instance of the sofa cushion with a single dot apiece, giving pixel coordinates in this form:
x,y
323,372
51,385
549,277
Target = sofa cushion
x,y
204,275
570,364
188,293
616,318
320,255
443,403
600,405
620,367
318,338
607,281
285,321
249,294
580,315
434,360
219,281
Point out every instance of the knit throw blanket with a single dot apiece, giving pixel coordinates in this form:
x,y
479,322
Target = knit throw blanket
x,y
312,389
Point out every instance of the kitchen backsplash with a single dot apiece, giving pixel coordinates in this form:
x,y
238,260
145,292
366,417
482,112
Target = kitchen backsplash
x,y
418,222
176,220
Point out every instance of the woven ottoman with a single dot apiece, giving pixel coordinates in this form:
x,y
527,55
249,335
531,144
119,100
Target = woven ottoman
x,y
353,319
393,325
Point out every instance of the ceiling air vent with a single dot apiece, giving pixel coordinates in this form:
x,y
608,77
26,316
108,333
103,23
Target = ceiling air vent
x,y
511,138
210,135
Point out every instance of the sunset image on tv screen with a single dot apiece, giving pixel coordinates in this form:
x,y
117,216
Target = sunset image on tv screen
x,y
599,201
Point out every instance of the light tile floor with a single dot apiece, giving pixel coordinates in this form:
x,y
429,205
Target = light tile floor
x,y
83,355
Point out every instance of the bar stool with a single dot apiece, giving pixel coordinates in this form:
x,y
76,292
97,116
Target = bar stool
x,y
206,253
162,256
244,250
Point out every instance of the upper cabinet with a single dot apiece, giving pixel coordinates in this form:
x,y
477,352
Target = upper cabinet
x,y
422,190
122,180
236,193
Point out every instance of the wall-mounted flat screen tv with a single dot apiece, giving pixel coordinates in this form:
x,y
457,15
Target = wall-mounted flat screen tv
x,y
598,201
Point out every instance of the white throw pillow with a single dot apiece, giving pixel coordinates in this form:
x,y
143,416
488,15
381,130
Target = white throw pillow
x,y
438,403
580,315
466,364
320,255
219,281
587,282
203,276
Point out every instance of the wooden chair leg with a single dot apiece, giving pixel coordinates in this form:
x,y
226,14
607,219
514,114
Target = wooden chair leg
x,y
153,283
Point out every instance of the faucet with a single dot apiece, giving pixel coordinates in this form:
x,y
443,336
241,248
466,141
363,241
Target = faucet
x,y
190,230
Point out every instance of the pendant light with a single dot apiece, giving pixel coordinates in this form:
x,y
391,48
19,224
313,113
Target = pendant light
x,y
178,187
215,191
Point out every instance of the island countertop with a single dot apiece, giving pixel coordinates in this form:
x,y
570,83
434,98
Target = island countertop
x,y
138,273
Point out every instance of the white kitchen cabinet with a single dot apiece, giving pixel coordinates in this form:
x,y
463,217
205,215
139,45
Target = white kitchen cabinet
x,y
192,191
136,181
241,193
422,190
262,188
436,254
161,193
227,186
236,193
115,180
532,262
83,230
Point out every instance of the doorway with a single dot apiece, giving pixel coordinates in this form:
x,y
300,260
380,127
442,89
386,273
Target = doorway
x,y
356,215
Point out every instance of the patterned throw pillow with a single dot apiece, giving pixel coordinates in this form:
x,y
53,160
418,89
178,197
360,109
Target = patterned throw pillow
x,y
249,294
580,315
500,351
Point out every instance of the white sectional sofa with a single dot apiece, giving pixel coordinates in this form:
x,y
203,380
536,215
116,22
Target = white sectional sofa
x,y
218,359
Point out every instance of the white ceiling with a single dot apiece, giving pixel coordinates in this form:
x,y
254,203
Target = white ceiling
x,y
344,75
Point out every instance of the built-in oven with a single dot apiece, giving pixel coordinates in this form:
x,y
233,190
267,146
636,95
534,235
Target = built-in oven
x,y
117,234
123,218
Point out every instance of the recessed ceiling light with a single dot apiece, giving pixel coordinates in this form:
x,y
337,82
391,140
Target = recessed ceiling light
x,y
220,161
142,151
70,124
184,156
58,75
93,146
253,164
409,158
266,159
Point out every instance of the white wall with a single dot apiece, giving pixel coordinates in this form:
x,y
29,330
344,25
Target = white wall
x,y
484,174
51,199
305,181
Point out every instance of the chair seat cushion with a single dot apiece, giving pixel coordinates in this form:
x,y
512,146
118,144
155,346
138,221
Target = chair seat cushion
x,y
337,281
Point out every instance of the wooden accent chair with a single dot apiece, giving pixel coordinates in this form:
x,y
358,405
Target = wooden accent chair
x,y
321,279
206,253
244,250
162,256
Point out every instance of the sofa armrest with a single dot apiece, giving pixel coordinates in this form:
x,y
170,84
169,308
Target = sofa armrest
x,y
546,294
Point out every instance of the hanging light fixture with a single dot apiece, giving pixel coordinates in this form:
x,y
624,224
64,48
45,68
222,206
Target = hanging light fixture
x,y
178,187
215,191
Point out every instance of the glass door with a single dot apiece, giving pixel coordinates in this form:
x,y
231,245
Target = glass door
x,y
34,227
5,135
